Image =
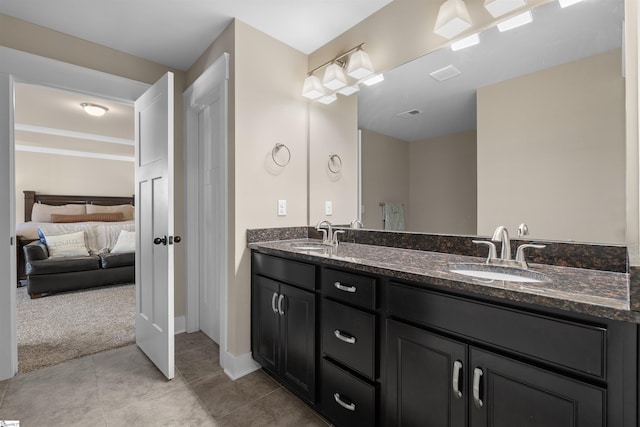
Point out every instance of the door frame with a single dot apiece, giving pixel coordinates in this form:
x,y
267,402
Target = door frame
x,y
196,98
23,67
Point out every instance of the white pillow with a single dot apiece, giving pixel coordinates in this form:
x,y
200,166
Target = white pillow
x,y
128,211
126,242
71,244
42,212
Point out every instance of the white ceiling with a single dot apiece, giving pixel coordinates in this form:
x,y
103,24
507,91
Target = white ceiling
x,y
556,36
176,32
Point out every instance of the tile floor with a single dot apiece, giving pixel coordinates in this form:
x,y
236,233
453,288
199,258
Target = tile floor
x,y
121,388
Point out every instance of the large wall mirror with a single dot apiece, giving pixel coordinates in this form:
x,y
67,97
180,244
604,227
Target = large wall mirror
x,y
527,126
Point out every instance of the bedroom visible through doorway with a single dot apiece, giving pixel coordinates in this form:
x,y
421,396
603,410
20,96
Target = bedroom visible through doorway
x,y
62,150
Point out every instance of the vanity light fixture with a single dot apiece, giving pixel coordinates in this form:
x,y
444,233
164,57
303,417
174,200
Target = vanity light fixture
x,y
500,7
334,77
466,42
370,81
567,3
358,70
94,109
516,21
453,18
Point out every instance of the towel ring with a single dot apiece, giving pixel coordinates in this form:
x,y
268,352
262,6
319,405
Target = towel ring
x,y
275,150
332,161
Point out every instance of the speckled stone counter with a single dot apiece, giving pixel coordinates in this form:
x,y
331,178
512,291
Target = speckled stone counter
x,y
593,292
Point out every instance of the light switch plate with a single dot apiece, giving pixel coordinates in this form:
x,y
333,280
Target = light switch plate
x,y
328,208
282,207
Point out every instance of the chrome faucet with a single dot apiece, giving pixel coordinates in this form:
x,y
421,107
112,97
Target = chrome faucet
x,y
501,234
356,223
327,235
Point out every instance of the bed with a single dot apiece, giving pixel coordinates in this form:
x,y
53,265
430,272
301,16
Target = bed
x,y
36,206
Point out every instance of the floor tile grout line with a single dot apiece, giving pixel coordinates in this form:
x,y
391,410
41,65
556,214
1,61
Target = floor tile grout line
x,y
250,403
101,402
204,407
4,392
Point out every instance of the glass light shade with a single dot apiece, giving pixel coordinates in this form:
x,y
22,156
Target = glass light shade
x,y
466,42
312,88
334,77
516,21
328,99
500,7
348,90
94,109
370,81
453,18
567,3
359,65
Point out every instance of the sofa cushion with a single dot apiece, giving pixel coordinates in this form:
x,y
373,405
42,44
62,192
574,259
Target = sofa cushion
x,y
63,265
120,259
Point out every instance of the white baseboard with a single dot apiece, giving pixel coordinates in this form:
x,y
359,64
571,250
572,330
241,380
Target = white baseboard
x,y
179,325
238,366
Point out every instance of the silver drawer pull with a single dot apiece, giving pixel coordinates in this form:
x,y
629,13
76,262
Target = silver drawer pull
x,y
344,288
457,367
339,401
477,374
273,303
346,338
280,310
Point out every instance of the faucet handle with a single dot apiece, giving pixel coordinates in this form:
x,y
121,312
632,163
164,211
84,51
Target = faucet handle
x,y
335,236
324,233
492,248
520,252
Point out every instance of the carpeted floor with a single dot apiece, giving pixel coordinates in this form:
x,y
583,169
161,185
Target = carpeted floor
x,y
69,325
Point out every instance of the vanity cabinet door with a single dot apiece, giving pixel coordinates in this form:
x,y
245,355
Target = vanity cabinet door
x,y
507,393
265,321
425,379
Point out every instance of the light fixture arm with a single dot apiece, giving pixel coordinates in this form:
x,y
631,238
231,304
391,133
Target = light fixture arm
x,y
338,59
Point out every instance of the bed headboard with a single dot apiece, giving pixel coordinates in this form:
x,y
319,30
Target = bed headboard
x,y
31,198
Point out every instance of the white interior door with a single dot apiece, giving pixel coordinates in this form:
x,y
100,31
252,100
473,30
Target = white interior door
x,y
154,235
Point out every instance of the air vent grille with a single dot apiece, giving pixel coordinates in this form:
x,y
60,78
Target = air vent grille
x,y
445,73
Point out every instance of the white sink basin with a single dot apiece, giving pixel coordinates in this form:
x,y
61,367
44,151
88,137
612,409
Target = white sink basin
x,y
309,246
492,272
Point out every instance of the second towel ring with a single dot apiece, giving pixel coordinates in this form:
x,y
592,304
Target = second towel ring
x,y
335,163
275,150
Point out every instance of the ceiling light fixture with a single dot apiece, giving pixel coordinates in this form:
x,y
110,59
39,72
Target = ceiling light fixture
x,y
453,18
516,21
466,42
500,7
94,109
358,70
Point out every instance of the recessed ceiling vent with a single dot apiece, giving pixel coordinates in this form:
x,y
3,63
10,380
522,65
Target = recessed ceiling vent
x,y
445,73
409,114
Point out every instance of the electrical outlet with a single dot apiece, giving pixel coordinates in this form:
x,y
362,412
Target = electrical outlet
x,y
328,208
282,207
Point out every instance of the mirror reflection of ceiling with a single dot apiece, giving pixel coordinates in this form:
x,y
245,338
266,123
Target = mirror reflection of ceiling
x,y
555,36
49,120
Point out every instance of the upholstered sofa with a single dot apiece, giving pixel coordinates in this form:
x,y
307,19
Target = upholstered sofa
x,y
47,274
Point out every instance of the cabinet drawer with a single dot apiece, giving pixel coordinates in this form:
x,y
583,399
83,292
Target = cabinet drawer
x,y
292,272
348,335
574,346
350,288
346,400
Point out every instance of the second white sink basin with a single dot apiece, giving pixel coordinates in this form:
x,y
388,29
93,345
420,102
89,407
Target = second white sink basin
x,y
310,246
492,272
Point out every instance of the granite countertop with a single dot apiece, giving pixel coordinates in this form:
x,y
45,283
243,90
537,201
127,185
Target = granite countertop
x,y
593,292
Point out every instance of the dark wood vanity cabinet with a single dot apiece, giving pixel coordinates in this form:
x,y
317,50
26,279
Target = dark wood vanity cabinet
x,y
366,350
283,322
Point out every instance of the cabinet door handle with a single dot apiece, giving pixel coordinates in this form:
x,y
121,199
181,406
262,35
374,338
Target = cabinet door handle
x,y
280,310
342,337
273,303
344,288
457,367
349,406
477,374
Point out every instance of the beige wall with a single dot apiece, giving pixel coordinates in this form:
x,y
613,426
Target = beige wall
x,y
632,14
21,35
55,174
334,130
557,166
385,176
442,184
